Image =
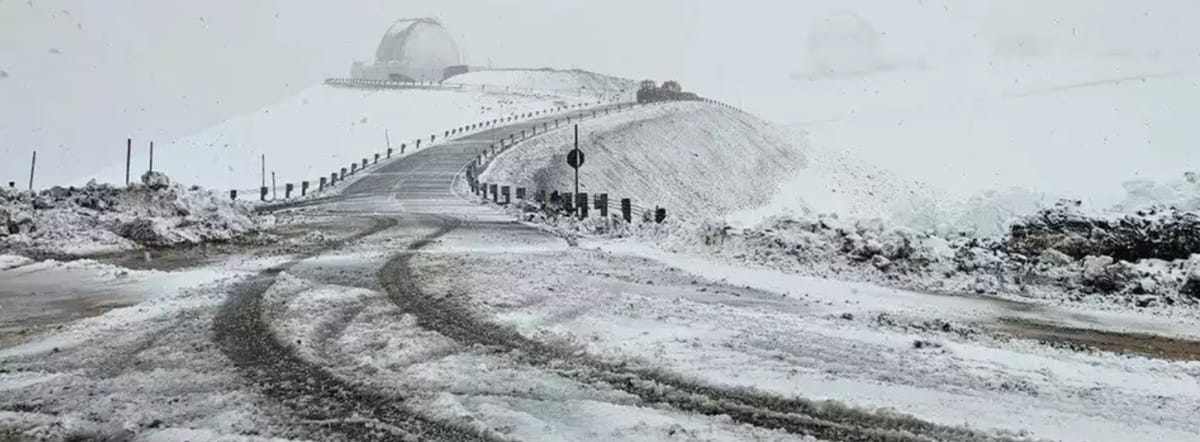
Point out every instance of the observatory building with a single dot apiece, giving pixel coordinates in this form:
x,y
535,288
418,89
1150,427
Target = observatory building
x,y
414,49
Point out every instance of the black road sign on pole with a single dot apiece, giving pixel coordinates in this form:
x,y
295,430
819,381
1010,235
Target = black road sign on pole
x,y
575,160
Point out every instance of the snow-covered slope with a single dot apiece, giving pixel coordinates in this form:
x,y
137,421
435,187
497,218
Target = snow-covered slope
x,y
695,159
576,82
321,129
1065,127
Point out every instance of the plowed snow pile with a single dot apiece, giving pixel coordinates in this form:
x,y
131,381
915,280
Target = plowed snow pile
x,y
695,159
323,128
103,218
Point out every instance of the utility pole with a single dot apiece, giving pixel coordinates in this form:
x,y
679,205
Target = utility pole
x,y
151,156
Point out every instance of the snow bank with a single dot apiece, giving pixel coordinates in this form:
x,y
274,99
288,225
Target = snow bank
x,y
324,128
695,159
571,82
100,218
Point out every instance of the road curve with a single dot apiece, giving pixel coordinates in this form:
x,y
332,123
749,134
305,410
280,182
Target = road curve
x,y
420,189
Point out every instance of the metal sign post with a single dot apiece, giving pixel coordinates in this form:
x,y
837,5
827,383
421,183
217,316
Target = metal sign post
x,y
575,159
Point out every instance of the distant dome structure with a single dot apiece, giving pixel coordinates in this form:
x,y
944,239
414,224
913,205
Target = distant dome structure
x,y
842,42
413,49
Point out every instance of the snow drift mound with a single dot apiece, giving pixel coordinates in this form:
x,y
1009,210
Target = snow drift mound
x,y
695,159
571,82
102,218
324,127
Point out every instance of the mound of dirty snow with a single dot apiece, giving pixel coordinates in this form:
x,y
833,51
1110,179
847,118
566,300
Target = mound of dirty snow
x,y
323,128
694,159
101,218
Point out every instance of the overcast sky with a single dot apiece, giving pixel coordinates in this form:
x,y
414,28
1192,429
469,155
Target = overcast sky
x,y
81,75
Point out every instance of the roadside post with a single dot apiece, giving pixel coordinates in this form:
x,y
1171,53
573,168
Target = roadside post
x,y
575,159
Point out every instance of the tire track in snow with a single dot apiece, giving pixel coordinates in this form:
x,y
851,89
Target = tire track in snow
x,y
824,420
318,397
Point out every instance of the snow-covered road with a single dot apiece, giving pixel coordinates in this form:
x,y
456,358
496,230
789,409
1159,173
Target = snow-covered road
x,y
430,316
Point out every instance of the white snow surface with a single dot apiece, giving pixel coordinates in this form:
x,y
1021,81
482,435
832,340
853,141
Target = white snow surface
x,y
695,159
1011,134
570,82
325,128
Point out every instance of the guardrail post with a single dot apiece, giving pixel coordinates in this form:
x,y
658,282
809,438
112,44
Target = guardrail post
x,y
504,190
521,193
321,184
304,188
432,138
343,174
364,166
627,210
581,200
495,193
353,168
389,152
262,193
377,158
233,195
660,214
602,204
287,191
418,145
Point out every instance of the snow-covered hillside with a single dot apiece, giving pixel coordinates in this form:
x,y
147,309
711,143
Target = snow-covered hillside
x,y
1061,127
695,159
321,129
577,82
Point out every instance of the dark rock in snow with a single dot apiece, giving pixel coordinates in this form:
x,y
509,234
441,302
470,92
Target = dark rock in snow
x,y
43,203
1191,288
1156,234
144,231
156,180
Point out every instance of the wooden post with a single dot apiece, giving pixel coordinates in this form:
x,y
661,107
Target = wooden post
x,y
32,168
274,193
321,183
353,168
151,156
582,202
627,210
262,193
287,189
403,146
233,195
602,204
364,163
343,177
263,172
376,158
128,157
333,178
389,152
303,188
